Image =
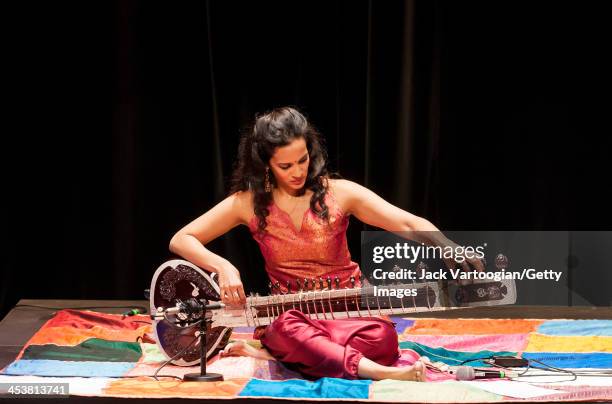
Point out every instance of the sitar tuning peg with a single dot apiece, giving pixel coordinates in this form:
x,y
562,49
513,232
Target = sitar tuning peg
x,y
352,281
337,282
270,286
288,286
422,267
299,285
501,262
329,285
320,283
314,284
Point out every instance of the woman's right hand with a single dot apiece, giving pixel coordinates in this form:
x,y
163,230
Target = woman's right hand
x,y
232,290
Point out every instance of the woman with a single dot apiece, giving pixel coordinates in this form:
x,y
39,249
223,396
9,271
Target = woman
x,y
298,215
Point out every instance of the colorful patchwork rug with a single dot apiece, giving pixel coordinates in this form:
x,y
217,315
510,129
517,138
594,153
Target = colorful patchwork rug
x,y
108,355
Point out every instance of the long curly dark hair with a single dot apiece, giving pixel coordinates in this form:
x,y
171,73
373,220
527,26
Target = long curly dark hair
x,y
273,129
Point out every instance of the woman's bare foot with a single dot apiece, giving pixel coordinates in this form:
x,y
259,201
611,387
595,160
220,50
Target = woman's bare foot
x,y
241,348
368,369
414,373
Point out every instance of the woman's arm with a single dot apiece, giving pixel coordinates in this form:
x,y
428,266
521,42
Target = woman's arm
x,y
190,240
371,209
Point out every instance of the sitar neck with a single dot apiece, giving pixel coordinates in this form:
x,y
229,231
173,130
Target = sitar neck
x,y
369,301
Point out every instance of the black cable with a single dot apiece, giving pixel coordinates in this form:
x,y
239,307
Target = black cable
x,y
182,351
157,376
475,359
592,373
526,369
552,369
495,365
514,379
595,372
547,368
91,377
142,309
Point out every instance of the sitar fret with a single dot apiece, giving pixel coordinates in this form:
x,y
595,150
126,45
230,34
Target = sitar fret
x,y
361,302
344,303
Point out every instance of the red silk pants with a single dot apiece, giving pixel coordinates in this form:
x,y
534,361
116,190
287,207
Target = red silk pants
x,y
330,348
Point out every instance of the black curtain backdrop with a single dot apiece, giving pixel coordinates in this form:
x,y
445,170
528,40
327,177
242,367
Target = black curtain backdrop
x,y
476,115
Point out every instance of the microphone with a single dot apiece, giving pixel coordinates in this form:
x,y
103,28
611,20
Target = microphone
x,y
188,310
470,373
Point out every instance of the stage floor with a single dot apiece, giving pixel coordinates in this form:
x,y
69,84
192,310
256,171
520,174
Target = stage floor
x,y
24,320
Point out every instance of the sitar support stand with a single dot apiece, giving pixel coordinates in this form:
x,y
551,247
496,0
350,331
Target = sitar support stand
x,y
203,376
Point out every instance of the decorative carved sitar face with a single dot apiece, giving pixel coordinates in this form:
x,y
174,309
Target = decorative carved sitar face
x,y
196,291
176,281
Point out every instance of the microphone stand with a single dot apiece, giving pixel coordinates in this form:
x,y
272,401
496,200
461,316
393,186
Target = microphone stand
x,y
203,376
194,310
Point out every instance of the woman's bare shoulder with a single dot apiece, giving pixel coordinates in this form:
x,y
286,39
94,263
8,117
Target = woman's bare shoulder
x,y
340,186
344,191
242,201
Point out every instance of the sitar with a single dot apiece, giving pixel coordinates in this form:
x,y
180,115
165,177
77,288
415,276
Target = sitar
x,y
178,284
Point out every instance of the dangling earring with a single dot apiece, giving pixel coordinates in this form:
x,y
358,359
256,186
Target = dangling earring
x,y
267,185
